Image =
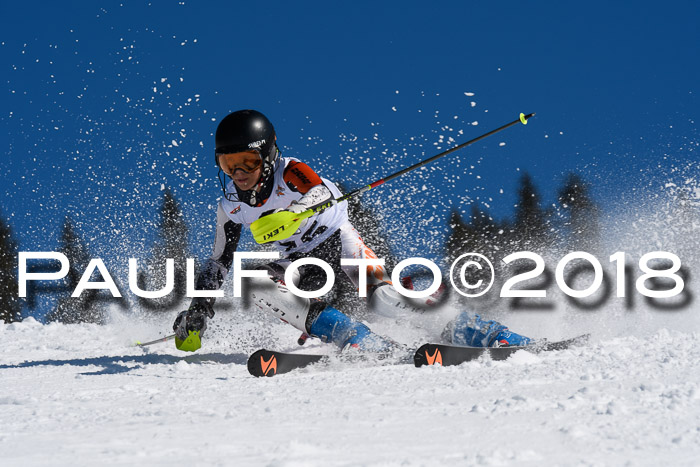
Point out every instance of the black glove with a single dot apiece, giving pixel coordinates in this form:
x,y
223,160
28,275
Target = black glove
x,y
193,319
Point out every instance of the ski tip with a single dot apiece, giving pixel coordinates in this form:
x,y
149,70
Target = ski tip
x,y
546,346
581,340
427,354
524,118
262,363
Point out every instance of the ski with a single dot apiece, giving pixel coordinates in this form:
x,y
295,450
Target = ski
x,y
270,363
448,354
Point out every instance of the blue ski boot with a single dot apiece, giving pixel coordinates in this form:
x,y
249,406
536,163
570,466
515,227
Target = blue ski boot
x,y
472,331
508,338
333,326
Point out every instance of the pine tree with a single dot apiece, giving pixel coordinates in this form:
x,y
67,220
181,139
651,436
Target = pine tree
x,y
582,215
490,238
83,309
482,235
476,236
10,309
460,238
531,221
172,243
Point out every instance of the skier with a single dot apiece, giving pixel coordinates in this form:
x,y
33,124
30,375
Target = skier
x,y
259,182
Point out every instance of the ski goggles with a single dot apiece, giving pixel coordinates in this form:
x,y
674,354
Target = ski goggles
x,y
247,161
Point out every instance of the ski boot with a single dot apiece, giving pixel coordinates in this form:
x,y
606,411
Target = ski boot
x,y
506,338
472,331
333,326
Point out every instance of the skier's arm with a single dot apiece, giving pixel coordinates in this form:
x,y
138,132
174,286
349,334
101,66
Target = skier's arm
x,y
211,277
216,268
301,178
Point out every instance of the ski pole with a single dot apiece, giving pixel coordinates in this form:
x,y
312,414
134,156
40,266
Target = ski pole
x,y
157,341
282,225
303,338
523,119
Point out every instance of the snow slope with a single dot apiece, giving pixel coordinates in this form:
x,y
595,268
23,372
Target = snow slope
x,y
82,395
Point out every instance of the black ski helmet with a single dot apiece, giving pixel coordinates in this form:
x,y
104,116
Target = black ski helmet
x,y
244,130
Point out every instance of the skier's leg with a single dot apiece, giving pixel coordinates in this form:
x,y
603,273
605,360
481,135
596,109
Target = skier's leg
x,y
270,294
312,316
387,302
471,330
382,297
331,325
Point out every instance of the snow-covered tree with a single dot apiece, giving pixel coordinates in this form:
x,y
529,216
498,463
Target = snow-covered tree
x,y
172,243
83,309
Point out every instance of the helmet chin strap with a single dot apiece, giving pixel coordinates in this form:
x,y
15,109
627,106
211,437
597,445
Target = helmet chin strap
x,y
259,185
250,197
253,197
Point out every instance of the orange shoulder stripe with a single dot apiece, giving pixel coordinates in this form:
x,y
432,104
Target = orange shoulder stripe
x,y
300,177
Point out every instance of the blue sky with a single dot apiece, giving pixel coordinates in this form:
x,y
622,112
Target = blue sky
x,y
104,103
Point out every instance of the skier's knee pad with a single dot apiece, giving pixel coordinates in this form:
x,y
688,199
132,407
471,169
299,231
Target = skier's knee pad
x,y
274,297
386,301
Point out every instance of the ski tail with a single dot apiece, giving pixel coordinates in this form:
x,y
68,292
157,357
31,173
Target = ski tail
x,y
448,355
